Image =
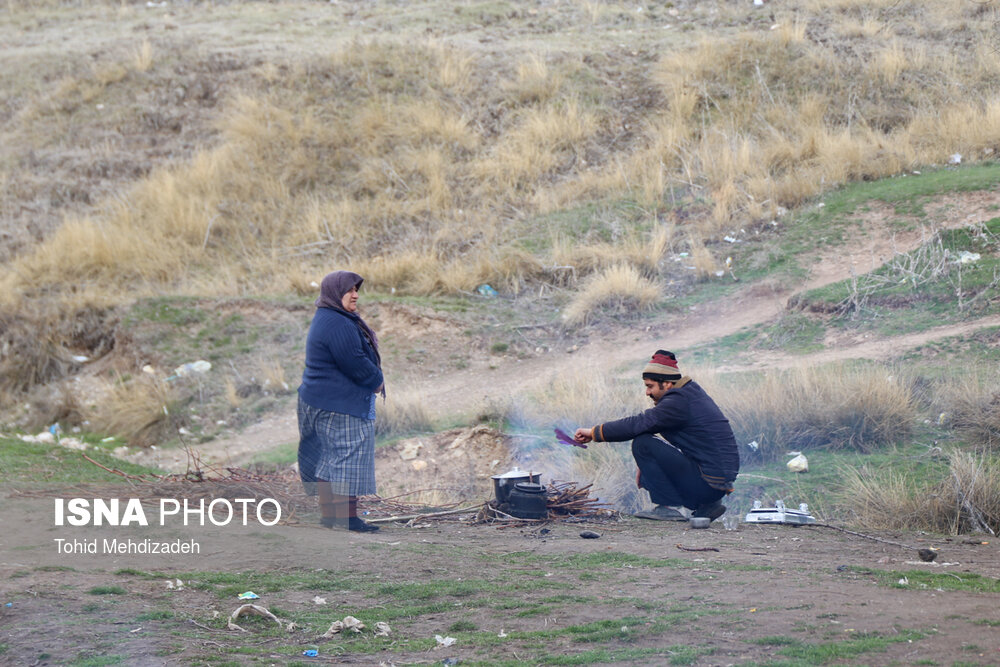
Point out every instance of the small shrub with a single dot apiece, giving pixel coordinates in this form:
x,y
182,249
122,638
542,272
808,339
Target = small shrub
x,y
836,407
273,376
137,409
618,290
974,408
967,499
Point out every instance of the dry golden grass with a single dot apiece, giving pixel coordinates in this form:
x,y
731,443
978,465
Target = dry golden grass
x,y
581,398
835,407
401,415
142,58
272,376
231,393
367,156
971,405
136,409
534,81
423,165
702,259
613,292
968,500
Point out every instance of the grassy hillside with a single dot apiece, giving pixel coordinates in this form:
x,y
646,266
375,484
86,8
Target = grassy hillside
x,y
174,180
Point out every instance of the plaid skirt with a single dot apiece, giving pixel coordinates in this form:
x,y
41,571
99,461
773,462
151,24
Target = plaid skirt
x,y
336,448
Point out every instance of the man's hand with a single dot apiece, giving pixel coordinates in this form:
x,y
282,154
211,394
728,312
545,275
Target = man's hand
x,y
638,478
583,435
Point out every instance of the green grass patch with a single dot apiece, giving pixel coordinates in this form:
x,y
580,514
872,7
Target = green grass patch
x,y
829,652
820,487
462,626
98,661
935,581
231,584
107,590
953,356
798,237
796,333
159,615
280,455
776,641
920,289
36,463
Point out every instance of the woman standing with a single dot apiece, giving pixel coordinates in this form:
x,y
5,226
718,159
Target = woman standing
x,y
337,404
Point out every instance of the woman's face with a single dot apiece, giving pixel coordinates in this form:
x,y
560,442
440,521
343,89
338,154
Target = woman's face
x,y
350,300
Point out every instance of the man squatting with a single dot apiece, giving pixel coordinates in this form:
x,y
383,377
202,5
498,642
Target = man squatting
x,y
683,446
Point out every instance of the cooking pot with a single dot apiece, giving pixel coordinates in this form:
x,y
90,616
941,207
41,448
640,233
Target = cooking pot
x,y
504,484
528,501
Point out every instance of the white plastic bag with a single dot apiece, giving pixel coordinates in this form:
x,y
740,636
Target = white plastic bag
x,y
799,463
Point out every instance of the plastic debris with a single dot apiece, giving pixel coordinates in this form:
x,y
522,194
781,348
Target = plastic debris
x,y
310,653
200,366
175,585
249,595
799,463
80,359
502,634
956,158
589,535
9,605
319,600
349,623
966,257
486,290
444,641
250,610
382,629
753,446
73,443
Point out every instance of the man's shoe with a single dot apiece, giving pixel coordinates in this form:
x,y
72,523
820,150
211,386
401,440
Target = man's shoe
x,y
710,511
662,513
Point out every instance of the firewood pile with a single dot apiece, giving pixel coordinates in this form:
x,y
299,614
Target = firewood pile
x,y
566,502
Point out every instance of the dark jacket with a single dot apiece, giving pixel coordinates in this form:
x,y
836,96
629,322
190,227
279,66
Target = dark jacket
x,y
690,420
342,370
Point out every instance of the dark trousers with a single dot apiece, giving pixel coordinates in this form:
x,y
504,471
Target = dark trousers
x,y
670,477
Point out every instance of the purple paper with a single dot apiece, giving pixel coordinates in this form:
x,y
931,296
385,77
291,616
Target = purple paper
x,y
564,438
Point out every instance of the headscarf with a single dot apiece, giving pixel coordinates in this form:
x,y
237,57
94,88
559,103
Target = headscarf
x,y
331,295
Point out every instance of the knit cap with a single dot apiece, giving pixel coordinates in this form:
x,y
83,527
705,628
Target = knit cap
x,y
663,363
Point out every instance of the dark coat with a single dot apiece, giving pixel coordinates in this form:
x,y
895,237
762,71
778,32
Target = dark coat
x,y
690,420
342,370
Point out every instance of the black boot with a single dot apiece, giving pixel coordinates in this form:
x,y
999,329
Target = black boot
x,y
711,511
